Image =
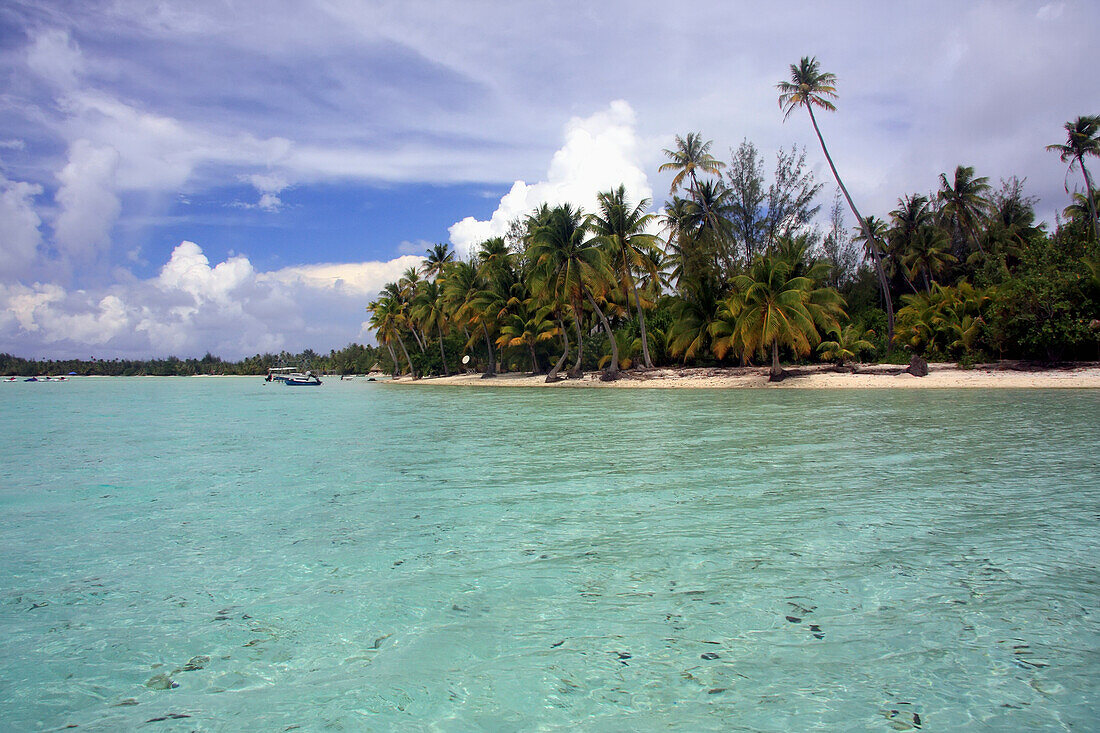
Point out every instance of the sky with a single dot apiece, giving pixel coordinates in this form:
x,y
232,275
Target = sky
x,y
241,177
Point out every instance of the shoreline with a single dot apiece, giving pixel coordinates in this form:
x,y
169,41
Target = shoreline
x,y
1004,375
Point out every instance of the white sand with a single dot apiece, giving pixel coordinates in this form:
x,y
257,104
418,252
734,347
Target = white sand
x,y
877,376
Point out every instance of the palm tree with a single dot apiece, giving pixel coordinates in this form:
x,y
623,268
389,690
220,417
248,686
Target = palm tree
x,y
810,87
621,228
846,344
918,245
1082,138
568,268
691,155
964,199
439,256
388,318
775,309
430,311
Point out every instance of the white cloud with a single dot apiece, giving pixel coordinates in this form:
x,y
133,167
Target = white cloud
x,y
269,185
55,57
192,306
89,205
356,278
189,271
600,152
19,227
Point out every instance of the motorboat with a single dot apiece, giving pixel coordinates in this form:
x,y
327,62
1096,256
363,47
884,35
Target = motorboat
x,y
309,379
281,374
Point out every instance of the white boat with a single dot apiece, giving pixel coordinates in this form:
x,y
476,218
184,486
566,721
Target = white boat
x,y
281,374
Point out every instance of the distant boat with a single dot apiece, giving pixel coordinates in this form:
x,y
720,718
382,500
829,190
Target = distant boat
x,y
32,379
281,374
302,380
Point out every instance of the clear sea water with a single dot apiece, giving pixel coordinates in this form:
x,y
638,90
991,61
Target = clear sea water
x,y
364,557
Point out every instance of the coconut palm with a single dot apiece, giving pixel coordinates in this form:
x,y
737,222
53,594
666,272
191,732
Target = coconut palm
x,y
772,308
621,228
691,156
429,309
846,344
439,256
810,87
1082,139
568,267
964,200
388,319
694,314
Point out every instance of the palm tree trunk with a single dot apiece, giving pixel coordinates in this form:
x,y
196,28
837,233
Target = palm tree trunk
x,y
612,371
412,371
776,373
641,316
1092,200
492,368
442,355
393,357
867,233
553,375
534,360
416,337
578,315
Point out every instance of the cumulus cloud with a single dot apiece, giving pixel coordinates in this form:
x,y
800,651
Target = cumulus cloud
x,y
355,279
600,152
89,204
192,306
20,235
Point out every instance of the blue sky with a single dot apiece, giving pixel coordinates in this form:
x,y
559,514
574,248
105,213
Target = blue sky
x,y
243,177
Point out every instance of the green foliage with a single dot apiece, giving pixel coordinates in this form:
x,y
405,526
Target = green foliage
x,y
1046,309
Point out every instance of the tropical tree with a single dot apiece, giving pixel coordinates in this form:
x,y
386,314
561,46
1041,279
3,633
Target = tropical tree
x,y
965,201
846,344
568,267
810,87
438,257
775,309
1082,139
429,309
691,157
621,228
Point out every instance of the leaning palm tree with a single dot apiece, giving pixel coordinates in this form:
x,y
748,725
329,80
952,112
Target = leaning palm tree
x,y
622,229
810,87
1082,138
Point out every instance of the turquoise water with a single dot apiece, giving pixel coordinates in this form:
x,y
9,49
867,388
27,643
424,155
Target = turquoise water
x,y
363,557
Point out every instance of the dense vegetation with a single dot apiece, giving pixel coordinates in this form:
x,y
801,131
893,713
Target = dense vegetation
x,y
741,273
352,359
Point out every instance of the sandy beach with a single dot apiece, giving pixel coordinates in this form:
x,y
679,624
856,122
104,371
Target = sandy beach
x,y
1005,375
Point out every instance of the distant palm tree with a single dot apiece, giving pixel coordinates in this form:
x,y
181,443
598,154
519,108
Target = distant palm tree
x,y
965,200
691,155
439,256
810,87
1082,139
622,229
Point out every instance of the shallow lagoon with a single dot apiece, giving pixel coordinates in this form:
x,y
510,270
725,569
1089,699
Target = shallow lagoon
x,y
367,557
